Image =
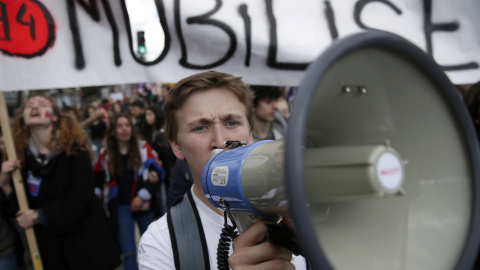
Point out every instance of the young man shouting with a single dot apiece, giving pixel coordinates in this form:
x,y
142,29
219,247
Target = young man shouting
x,y
204,111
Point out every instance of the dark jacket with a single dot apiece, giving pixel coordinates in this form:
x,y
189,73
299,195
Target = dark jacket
x,y
75,232
182,181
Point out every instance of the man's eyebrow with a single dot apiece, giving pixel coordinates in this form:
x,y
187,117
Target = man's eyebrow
x,y
202,120
230,116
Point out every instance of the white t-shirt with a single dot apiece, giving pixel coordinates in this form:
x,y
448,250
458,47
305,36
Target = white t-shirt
x,y
155,248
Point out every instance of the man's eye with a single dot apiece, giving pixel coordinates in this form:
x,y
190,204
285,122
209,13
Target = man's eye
x,y
231,123
200,128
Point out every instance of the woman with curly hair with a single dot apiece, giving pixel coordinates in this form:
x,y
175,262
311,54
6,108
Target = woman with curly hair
x,y
72,229
133,172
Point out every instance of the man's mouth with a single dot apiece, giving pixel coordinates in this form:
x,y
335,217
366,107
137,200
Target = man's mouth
x,y
34,114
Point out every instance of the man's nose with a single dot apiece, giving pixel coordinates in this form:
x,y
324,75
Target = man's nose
x,y
218,138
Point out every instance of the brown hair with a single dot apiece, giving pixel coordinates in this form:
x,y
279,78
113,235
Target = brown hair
x,y
71,137
202,82
112,146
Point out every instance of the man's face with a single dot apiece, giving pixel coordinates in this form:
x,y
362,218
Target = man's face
x,y
123,130
38,111
205,121
265,110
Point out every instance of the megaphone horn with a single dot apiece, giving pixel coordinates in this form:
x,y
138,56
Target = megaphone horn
x,y
408,101
379,169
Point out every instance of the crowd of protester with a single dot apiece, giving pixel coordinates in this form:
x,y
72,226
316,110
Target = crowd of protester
x,y
136,177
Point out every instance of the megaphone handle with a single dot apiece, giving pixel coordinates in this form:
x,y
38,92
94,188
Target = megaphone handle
x,y
282,235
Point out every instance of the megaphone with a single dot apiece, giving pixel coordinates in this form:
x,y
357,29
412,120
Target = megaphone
x,y
379,169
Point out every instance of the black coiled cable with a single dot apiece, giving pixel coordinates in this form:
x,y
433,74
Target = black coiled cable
x,y
228,235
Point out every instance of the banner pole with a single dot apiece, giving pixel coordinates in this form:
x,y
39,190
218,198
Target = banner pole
x,y
18,182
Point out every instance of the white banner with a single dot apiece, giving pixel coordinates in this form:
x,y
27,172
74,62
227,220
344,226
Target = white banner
x,y
57,44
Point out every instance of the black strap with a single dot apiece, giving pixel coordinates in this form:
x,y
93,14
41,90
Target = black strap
x,y
187,236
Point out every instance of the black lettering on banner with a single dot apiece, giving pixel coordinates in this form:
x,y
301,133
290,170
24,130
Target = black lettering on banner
x,y
204,19
248,32
92,9
332,27
31,23
272,49
111,20
77,45
362,3
163,23
430,27
4,22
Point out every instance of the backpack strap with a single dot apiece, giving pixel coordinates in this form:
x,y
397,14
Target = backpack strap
x,y
186,233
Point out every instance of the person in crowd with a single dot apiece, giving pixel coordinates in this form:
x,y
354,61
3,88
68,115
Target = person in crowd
x,y
115,109
89,117
134,175
165,88
97,129
72,111
268,122
105,107
137,112
8,244
195,127
153,131
283,106
71,227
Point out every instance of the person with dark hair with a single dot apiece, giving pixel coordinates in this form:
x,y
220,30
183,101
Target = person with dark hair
x,y
204,111
115,109
70,224
153,131
96,129
268,122
134,174
137,112
72,112
165,88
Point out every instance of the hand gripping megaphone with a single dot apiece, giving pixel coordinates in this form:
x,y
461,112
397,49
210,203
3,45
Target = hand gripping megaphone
x,y
379,168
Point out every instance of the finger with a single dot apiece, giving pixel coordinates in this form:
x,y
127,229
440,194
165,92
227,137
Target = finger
x,y
275,264
251,237
261,253
20,213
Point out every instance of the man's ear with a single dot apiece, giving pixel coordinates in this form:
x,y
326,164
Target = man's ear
x,y
177,150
